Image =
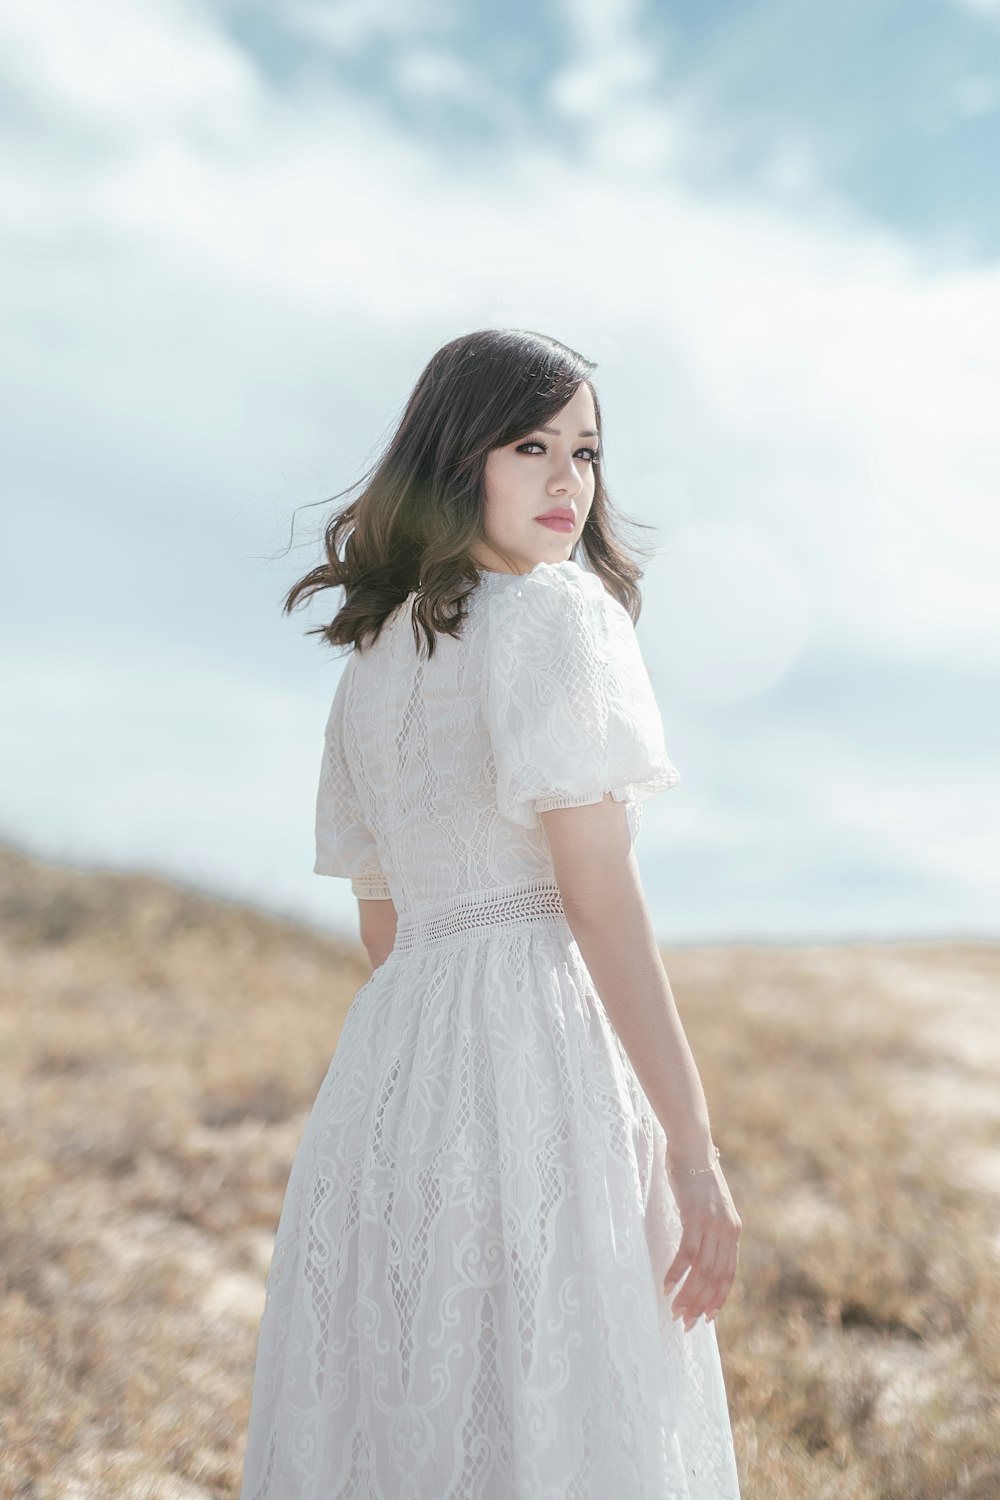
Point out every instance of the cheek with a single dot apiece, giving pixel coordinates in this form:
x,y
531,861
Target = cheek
x,y
503,480
493,478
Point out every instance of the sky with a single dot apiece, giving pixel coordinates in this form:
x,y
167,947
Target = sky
x,y
232,233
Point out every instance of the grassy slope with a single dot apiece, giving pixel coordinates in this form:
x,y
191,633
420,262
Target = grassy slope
x,y
159,1051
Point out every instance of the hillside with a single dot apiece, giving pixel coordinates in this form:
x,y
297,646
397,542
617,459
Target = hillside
x,y
159,1052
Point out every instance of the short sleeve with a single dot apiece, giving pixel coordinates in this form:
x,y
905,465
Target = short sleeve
x,y
569,705
345,844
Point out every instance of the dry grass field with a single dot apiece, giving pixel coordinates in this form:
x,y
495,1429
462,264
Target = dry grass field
x,y
159,1052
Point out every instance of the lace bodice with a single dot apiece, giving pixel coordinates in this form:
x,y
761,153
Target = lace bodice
x,y
434,771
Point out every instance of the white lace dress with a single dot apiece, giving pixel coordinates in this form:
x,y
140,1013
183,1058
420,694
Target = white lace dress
x,y
465,1300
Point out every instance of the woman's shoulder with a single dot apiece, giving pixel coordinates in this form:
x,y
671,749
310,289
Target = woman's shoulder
x,y
560,597
558,625
545,584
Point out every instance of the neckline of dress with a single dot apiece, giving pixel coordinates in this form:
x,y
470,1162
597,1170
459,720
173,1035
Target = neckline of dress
x,y
491,575
494,578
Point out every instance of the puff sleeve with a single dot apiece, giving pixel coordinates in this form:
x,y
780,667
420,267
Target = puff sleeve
x,y
345,844
569,705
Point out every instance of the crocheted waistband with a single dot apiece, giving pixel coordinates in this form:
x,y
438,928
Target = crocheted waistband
x,y
511,907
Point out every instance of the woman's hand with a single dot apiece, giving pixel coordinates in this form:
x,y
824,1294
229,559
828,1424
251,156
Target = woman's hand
x,y
709,1247
377,924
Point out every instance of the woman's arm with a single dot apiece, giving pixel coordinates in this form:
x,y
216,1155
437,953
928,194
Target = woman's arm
x,y
377,925
597,874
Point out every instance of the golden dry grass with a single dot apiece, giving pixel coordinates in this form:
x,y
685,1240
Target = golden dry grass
x,y
159,1051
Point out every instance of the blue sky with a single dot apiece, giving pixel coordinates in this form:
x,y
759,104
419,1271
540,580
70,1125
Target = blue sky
x,y
233,235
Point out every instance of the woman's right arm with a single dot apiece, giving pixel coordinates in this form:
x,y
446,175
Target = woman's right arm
x,y
595,868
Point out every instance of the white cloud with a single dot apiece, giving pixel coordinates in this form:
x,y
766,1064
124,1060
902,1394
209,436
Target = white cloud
x,y
350,24
791,170
205,774
606,87
247,284
122,71
733,615
434,74
812,380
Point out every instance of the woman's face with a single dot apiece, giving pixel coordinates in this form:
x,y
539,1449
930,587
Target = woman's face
x,y
550,468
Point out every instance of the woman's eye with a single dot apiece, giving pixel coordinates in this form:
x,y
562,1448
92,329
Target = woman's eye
x,y
534,443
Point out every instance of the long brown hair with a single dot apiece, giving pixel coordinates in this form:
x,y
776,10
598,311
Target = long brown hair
x,y
424,499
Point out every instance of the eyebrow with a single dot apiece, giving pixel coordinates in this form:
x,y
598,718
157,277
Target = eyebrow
x,y
585,432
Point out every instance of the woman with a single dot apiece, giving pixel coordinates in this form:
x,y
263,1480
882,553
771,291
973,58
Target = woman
x,y
509,1164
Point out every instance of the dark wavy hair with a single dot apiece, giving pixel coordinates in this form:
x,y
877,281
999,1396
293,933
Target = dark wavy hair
x,y
423,503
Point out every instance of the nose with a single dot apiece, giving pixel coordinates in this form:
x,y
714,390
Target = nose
x,y
566,480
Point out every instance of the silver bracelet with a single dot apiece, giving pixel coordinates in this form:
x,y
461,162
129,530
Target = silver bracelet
x,y
692,1170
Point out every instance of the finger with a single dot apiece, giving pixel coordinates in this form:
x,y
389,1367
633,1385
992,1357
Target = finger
x,y
686,1252
682,1261
717,1279
726,1284
689,1300
694,1297
731,1266
721,1276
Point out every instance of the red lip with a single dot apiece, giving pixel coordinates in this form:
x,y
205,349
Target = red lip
x,y
561,512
